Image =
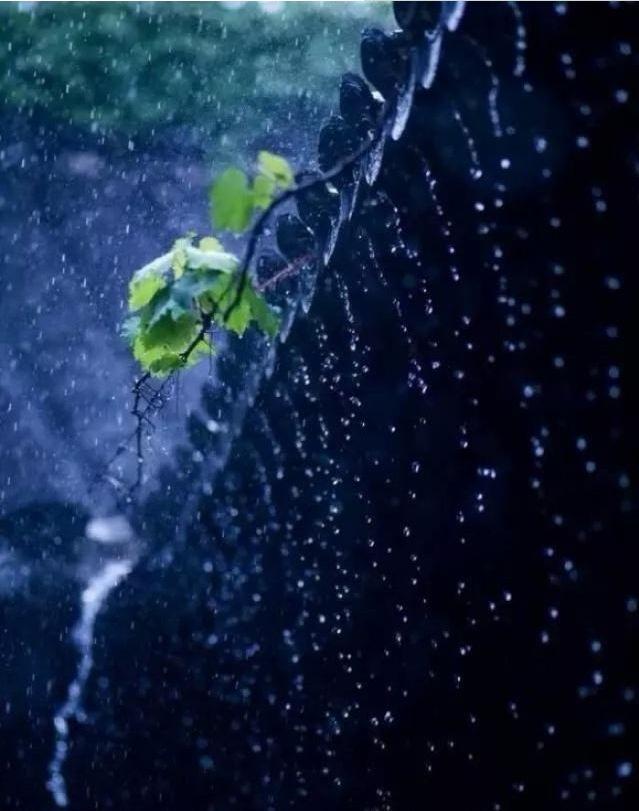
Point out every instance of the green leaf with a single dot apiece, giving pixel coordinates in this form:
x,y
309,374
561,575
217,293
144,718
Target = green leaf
x,y
211,260
130,328
222,294
192,284
231,201
262,313
146,355
143,287
210,244
204,348
161,361
263,190
165,364
276,168
148,280
169,333
166,302
179,259
239,317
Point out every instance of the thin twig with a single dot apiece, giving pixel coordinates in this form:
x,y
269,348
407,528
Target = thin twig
x,y
155,400
289,270
204,328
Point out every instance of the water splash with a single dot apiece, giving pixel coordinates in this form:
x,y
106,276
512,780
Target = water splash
x,y
98,588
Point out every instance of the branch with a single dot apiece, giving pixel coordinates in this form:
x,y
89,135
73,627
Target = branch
x,y
289,270
204,328
326,177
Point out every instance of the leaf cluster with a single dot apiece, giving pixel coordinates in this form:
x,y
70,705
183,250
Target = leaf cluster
x,y
176,299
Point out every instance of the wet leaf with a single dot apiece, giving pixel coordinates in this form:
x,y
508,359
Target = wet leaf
x,y
263,191
231,201
211,260
143,287
262,313
130,328
210,244
179,260
164,303
170,333
276,168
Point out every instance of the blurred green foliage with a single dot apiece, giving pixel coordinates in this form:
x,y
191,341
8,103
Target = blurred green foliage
x,y
131,67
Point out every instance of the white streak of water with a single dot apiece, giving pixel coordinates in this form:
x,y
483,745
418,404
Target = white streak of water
x,y
332,240
92,599
521,43
476,171
432,60
493,93
373,161
357,177
454,12
404,102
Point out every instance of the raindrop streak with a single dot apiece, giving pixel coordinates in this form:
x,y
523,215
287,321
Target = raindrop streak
x,y
373,161
521,44
446,225
93,597
450,17
429,70
476,171
493,93
453,12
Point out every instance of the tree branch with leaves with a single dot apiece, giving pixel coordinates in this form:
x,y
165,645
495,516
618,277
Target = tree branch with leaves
x,y
177,301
